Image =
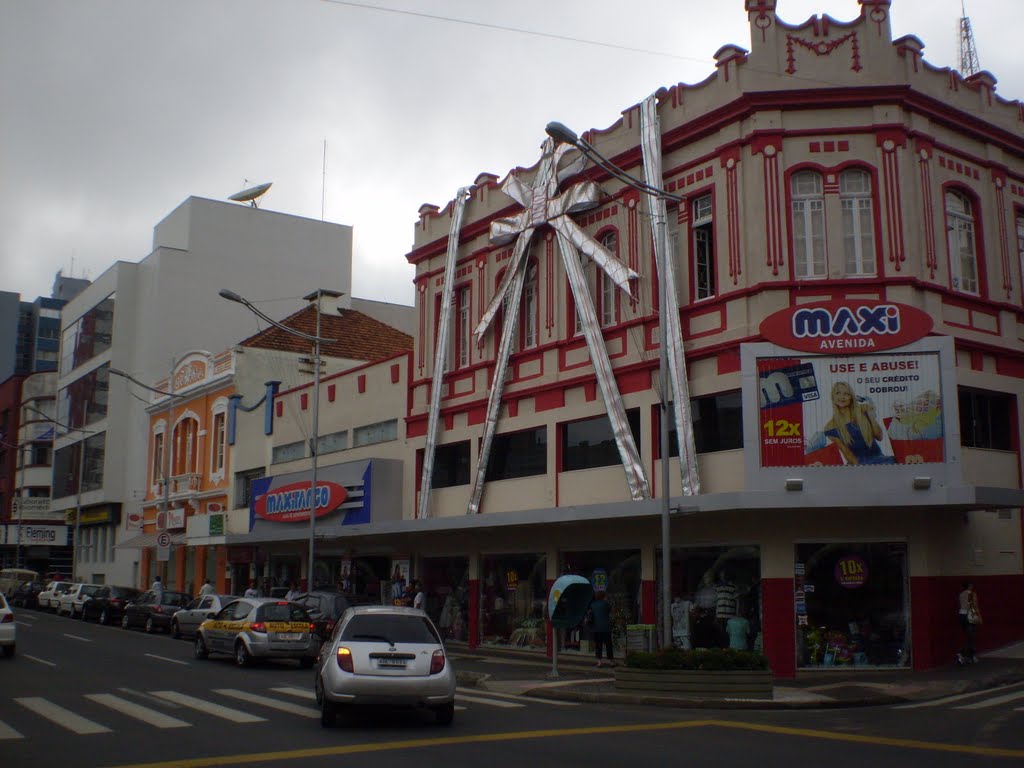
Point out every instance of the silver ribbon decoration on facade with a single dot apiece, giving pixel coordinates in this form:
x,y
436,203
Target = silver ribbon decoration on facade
x,y
441,352
543,205
650,139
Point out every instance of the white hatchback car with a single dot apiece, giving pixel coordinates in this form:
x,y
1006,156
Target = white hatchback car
x,y
49,598
381,655
71,601
7,628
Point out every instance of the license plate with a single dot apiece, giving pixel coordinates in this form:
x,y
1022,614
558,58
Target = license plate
x,y
390,662
289,635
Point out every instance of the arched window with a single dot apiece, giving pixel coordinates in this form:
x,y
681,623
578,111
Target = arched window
x,y
185,454
963,257
531,309
809,258
858,221
606,299
158,468
219,443
702,227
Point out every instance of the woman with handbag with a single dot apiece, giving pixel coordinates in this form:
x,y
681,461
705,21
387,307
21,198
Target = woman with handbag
x,y
970,619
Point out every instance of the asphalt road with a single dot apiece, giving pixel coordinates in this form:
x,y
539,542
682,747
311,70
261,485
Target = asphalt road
x,y
79,695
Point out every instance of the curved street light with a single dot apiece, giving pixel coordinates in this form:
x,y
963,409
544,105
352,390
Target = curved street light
x,y
317,340
559,132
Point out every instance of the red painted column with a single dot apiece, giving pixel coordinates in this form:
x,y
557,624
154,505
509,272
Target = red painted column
x,y
147,557
474,613
179,569
200,561
549,631
648,602
778,611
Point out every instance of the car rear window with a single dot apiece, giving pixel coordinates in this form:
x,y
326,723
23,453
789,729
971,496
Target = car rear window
x,y
283,612
394,628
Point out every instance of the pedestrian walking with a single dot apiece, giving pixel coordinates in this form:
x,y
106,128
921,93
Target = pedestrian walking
x,y
158,587
970,619
599,617
252,591
420,600
207,588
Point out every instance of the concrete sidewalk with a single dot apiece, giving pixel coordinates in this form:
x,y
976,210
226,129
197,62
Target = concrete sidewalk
x,y
581,681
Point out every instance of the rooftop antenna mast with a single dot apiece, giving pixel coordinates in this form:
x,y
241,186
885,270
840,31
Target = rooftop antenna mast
x,y
968,52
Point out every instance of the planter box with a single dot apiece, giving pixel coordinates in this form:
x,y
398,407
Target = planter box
x,y
696,684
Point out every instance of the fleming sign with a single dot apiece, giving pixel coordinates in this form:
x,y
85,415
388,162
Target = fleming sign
x,y
846,326
291,503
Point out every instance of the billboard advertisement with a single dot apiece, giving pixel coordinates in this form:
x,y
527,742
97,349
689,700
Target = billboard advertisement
x,y
866,409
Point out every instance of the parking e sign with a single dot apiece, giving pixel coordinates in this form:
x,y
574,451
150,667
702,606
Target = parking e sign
x,y
163,544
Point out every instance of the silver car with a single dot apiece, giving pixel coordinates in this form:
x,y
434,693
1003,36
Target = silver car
x,y
258,628
384,655
186,622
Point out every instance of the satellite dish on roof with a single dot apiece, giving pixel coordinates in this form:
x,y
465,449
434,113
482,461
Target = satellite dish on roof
x,y
251,194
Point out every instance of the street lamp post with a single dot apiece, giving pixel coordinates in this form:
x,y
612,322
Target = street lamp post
x,y
560,132
317,340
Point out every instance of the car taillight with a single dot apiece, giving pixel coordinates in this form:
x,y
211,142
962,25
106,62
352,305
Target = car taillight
x,y
345,659
158,609
259,626
437,662
115,601
9,617
312,627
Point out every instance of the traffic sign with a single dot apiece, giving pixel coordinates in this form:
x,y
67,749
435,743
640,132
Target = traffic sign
x,y
163,547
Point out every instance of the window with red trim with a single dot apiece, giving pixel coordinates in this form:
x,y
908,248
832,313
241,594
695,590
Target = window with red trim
x,y
961,231
703,233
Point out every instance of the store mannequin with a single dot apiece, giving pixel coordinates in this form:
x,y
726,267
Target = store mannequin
x,y
681,623
738,630
706,595
725,598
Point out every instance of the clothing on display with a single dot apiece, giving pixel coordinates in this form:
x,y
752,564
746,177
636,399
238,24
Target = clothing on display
x,y
681,622
738,630
725,600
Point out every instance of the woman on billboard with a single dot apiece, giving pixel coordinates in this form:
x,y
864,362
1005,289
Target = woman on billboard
x,y
854,428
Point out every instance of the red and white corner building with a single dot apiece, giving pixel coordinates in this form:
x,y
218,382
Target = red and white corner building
x,y
847,255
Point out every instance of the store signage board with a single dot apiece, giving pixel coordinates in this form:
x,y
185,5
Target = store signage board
x,y
291,503
854,326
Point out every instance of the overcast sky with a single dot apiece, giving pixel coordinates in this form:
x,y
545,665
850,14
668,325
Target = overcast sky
x,y
112,112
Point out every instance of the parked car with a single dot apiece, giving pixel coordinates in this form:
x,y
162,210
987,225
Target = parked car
x,y
107,605
382,654
10,578
27,594
49,598
8,629
259,628
325,607
185,622
153,610
71,602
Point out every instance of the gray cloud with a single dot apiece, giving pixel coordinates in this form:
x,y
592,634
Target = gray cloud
x,y
114,111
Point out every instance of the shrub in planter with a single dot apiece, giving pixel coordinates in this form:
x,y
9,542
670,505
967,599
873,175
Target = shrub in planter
x,y
705,659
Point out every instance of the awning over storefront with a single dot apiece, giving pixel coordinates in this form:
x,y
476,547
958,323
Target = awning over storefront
x,y
957,498
149,540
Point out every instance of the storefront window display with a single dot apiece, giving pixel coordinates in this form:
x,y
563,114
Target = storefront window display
x,y
617,573
851,605
716,597
512,599
446,582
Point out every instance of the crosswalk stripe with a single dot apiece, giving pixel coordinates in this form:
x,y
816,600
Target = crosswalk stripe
x,y
6,732
488,702
65,718
263,701
217,710
299,693
994,702
138,711
514,697
959,697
